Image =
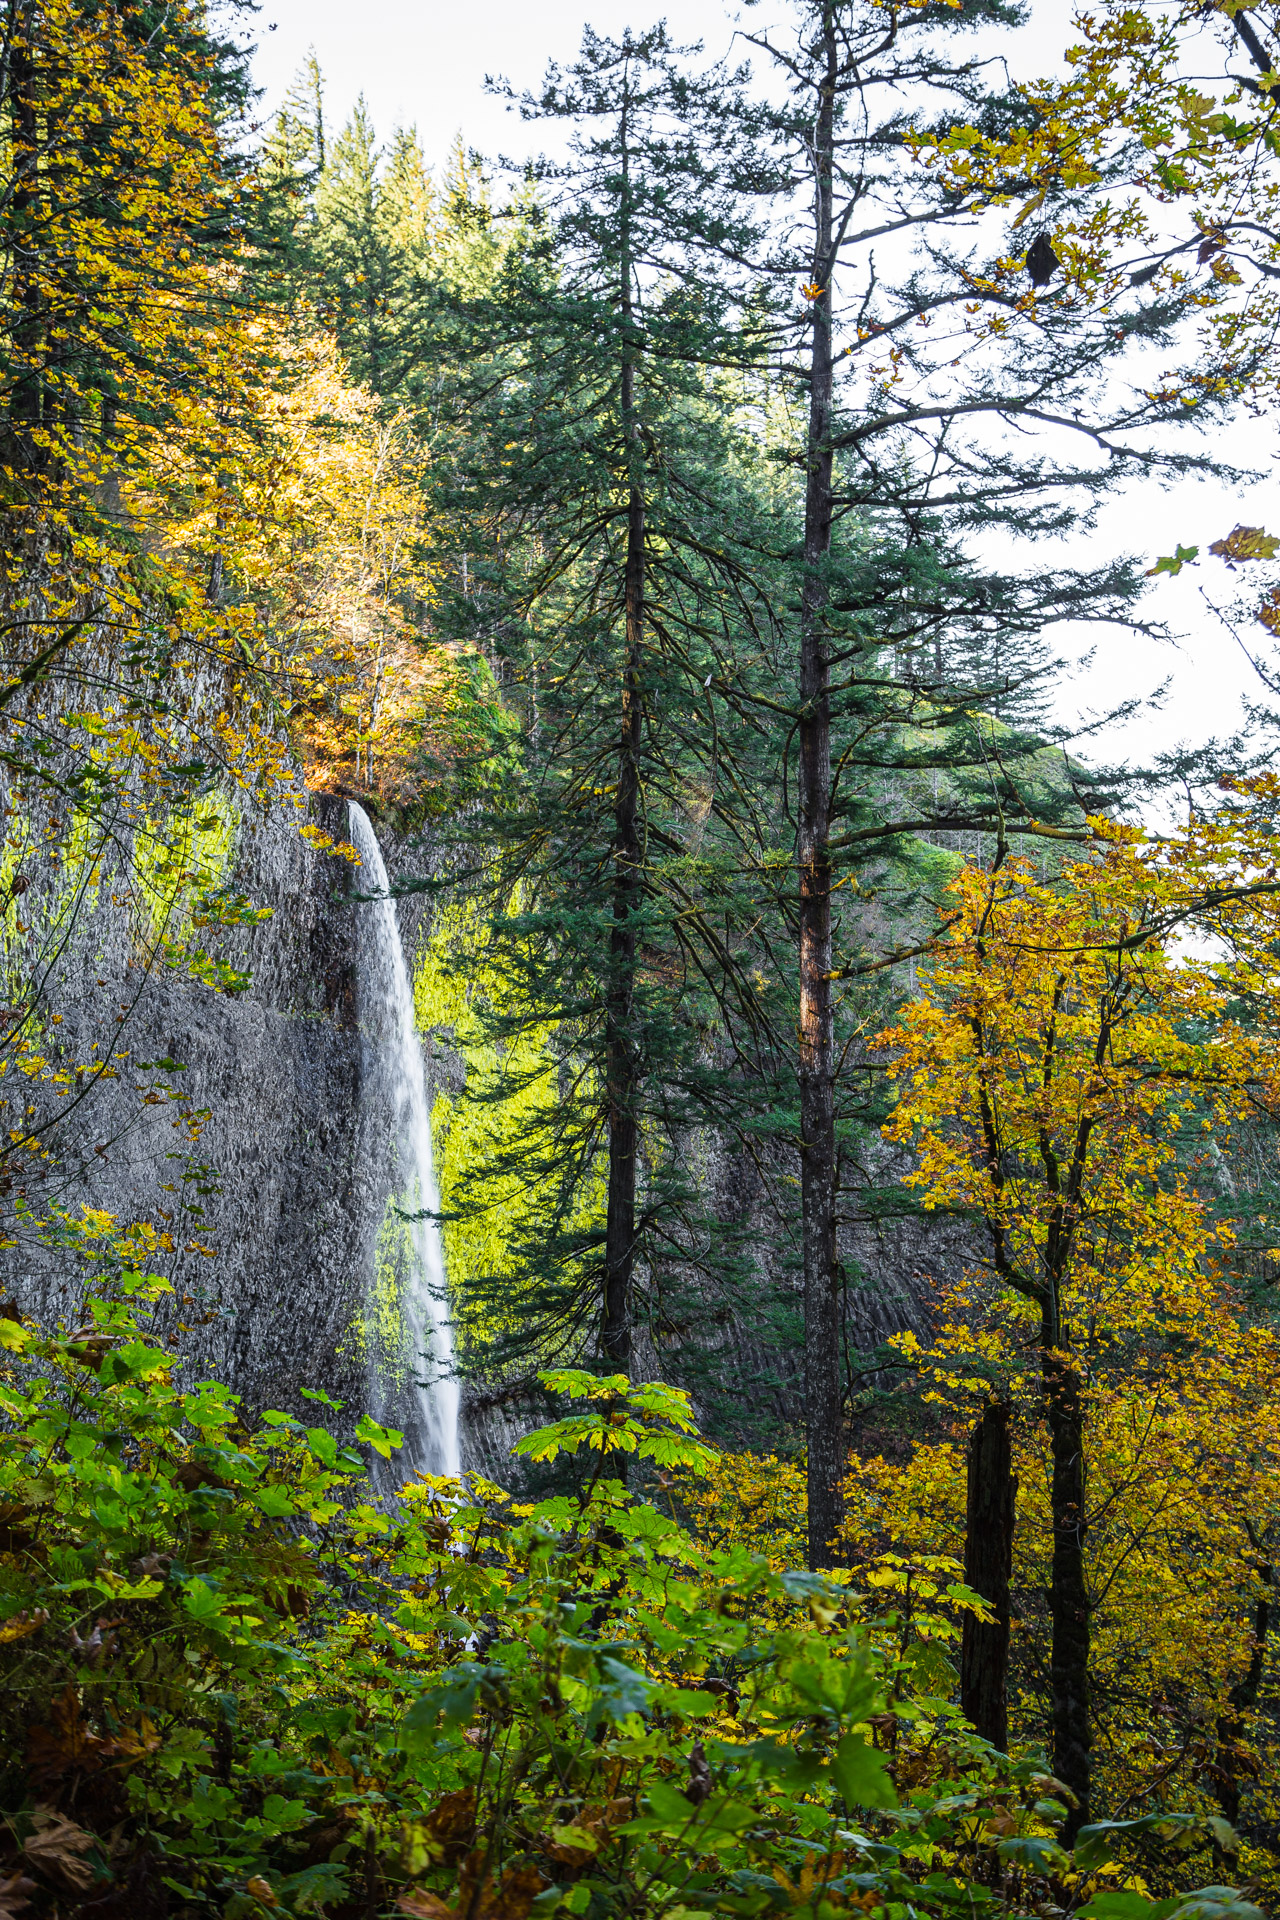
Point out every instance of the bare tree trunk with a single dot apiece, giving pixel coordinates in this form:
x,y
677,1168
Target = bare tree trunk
x,y
620,1226
817,1026
988,1563
1069,1594
620,1065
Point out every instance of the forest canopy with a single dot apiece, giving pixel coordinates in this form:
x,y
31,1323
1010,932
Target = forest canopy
x,y
860,1109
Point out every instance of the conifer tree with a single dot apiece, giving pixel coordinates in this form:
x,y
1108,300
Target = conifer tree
x,y
351,250
292,160
468,243
598,566
406,202
359,233
303,110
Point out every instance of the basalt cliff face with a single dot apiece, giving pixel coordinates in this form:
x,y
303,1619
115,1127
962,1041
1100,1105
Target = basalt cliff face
x,y
286,1181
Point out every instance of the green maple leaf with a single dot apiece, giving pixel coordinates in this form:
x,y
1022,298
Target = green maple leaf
x,y
1174,562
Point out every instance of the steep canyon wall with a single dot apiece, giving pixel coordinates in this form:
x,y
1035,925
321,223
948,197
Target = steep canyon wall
x,y
284,1153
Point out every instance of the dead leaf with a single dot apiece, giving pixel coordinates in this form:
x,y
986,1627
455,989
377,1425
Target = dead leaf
x,y
1269,612
513,1899
510,1900
700,1781
98,1646
90,1346
150,1566
132,1744
13,1893
14,1536
452,1824
55,1849
194,1473
572,1844
262,1890
293,1602
423,1905
64,1744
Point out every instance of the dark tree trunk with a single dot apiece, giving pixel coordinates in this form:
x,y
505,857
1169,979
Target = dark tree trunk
x,y
988,1563
1068,1594
817,1027
1243,1697
621,1070
620,1227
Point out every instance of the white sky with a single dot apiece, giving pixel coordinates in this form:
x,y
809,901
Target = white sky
x,y
424,62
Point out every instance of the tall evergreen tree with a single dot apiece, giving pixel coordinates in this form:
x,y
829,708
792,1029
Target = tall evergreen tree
x,y
406,203
559,352
600,567
303,110
359,234
351,249
293,158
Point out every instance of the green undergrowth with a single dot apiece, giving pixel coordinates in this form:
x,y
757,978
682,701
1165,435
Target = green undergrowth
x,y
231,1683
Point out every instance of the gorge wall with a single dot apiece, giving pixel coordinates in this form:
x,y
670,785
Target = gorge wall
x,y
292,1191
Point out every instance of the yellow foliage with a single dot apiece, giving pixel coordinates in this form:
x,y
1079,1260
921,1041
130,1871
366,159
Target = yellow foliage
x,y
1056,1079
1067,1081
316,521
754,1501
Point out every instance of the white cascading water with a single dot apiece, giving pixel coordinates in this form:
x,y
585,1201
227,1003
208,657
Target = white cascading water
x,y
428,1410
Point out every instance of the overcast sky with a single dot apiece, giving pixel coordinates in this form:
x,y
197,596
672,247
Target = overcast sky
x,y
424,62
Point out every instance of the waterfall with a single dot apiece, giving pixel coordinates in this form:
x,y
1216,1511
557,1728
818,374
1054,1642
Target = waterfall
x,y
419,1341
